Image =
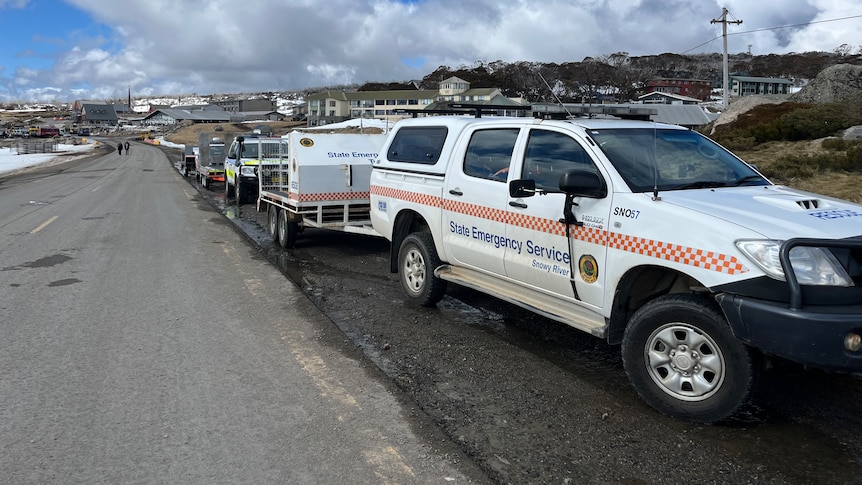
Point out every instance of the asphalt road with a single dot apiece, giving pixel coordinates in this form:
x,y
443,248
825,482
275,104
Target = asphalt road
x,y
144,340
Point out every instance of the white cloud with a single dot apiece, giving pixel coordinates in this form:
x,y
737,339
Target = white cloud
x,y
218,46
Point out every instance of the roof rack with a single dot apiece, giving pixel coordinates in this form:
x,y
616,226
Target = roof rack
x,y
466,108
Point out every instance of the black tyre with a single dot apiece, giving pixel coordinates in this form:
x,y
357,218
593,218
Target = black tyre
x,y
287,230
228,189
417,260
241,193
683,360
272,222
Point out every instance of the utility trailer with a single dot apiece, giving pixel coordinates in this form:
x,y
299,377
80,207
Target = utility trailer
x,y
188,164
322,182
209,159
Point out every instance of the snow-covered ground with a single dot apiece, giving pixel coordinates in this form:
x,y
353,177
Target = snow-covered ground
x,y
10,160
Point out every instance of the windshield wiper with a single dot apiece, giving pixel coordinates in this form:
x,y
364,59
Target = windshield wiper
x,y
747,178
700,184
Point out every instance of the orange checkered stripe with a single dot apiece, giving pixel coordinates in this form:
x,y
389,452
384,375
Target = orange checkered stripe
x,y
326,197
710,260
414,197
699,258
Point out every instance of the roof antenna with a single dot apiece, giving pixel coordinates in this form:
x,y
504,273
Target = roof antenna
x,y
568,113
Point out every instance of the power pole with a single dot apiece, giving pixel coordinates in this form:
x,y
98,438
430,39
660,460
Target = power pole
x,y
723,21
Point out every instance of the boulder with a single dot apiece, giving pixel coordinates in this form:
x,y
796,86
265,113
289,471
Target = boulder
x,y
833,84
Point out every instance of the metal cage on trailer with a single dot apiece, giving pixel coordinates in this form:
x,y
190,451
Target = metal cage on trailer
x,y
321,182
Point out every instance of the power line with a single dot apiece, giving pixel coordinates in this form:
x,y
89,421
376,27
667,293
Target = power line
x,y
774,28
796,25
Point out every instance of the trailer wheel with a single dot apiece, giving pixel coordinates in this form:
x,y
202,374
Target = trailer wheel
x,y
684,361
417,260
287,230
272,222
204,183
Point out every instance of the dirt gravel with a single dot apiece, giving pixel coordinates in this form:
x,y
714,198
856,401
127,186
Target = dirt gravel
x,y
533,401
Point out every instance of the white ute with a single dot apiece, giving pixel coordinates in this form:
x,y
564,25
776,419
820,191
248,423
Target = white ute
x,y
647,235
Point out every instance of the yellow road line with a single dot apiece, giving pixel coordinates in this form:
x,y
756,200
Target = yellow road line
x,y
42,226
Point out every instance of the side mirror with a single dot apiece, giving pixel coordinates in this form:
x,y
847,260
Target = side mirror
x,y
583,183
522,188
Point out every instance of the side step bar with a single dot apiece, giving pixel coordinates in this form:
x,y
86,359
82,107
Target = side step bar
x,y
535,301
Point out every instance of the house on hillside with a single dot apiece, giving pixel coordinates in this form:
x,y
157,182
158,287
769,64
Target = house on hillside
x,y
748,85
93,113
173,116
261,115
244,105
213,114
666,98
100,115
692,88
199,107
333,106
123,110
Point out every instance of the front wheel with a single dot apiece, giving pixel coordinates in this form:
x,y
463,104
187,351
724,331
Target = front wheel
x,y
228,189
683,360
241,193
417,260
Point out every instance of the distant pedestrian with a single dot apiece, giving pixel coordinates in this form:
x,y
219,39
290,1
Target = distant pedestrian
x,y
127,148
120,148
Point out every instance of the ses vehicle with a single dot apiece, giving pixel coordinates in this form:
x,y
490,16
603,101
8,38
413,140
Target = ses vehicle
x,y
647,235
245,154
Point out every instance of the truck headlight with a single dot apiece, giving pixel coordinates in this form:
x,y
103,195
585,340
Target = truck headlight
x,y
247,171
812,266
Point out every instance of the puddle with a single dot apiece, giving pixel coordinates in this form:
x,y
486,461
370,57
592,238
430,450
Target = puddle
x,y
46,262
472,315
64,282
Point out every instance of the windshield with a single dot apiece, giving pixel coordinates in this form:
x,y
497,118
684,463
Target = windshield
x,y
216,156
672,160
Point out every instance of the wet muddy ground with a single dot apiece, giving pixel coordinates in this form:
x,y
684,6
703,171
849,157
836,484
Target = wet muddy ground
x,y
533,401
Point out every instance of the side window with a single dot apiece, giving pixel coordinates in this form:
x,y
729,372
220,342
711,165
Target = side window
x,y
549,154
232,151
417,144
489,153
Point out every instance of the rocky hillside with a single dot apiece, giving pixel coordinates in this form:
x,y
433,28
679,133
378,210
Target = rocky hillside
x,y
833,84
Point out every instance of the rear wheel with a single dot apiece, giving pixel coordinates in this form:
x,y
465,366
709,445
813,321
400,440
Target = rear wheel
x,y
287,230
417,260
683,360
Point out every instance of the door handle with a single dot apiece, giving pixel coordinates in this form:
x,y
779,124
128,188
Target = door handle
x,y
517,204
456,192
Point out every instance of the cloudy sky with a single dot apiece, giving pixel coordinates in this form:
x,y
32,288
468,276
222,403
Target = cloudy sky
x,y
72,49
